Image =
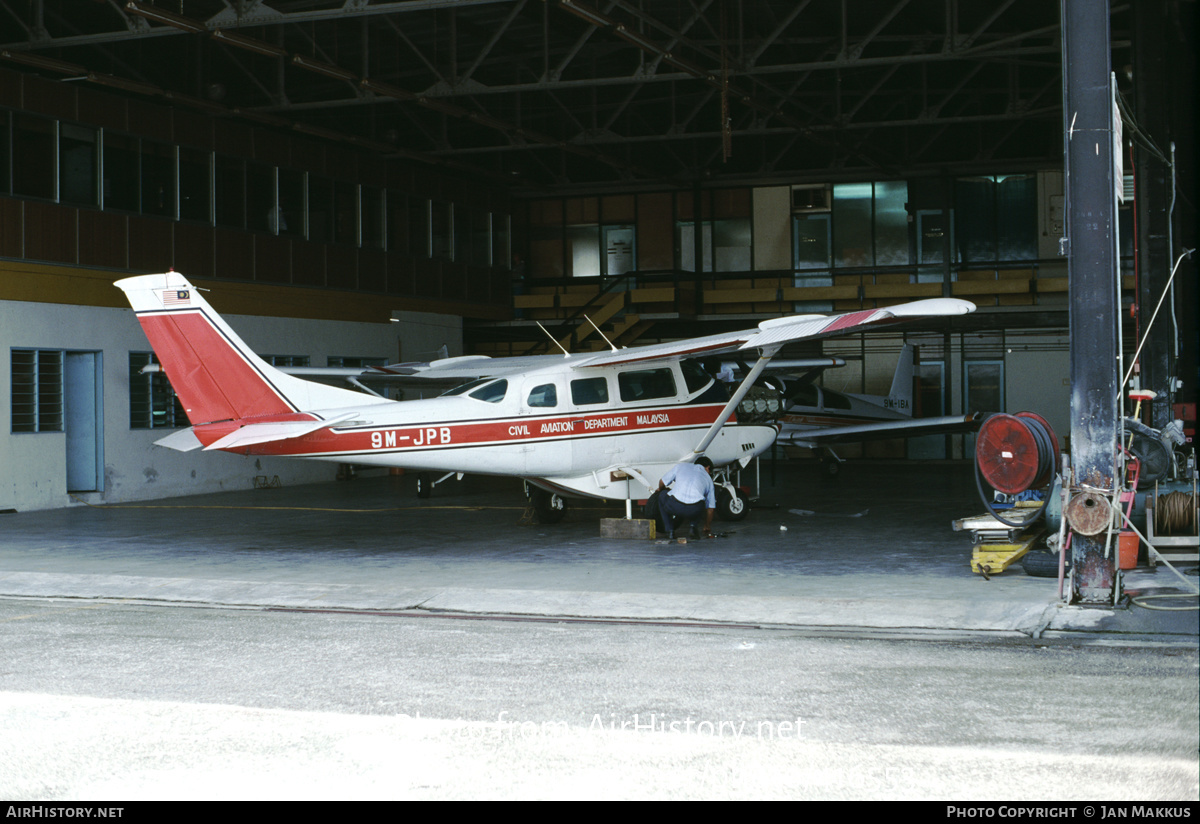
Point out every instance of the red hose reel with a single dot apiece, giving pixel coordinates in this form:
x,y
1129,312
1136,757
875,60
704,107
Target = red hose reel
x,y
1015,453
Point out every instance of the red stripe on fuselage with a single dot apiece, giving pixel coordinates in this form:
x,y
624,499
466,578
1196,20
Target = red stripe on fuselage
x,y
212,379
456,434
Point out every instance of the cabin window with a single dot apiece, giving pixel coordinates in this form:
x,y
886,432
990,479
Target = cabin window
x,y
544,396
835,400
589,390
646,384
493,392
805,395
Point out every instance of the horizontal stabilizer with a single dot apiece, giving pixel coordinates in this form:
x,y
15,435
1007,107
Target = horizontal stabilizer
x,y
274,431
184,440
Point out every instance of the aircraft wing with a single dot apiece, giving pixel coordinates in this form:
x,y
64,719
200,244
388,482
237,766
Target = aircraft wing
x,y
773,334
769,336
881,430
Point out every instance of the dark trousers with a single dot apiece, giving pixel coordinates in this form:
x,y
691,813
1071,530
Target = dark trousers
x,y
669,509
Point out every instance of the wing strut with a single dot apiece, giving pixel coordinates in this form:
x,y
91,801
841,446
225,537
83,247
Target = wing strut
x,y
764,357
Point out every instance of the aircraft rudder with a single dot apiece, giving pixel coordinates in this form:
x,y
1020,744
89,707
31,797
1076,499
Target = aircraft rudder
x,y
900,396
216,376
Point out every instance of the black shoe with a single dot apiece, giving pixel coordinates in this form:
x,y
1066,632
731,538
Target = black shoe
x,y
696,533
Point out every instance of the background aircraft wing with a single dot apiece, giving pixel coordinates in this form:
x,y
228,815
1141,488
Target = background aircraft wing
x,y
882,430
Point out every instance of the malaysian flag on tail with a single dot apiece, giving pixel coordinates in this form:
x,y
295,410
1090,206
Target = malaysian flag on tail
x,y
176,297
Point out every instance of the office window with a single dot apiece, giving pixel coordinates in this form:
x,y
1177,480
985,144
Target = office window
x,y
158,179
195,185
262,214
5,154
441,230
472,237
852,224
291,203
34,140
418,227
685,245
372,217
732,240
79,165
996,218
122,172
811,238
320,209
891,223
231,191
870,225
345,213
152,402
725,245
396,214
462,234
1016,218
286,360
501,247
583,251
37,390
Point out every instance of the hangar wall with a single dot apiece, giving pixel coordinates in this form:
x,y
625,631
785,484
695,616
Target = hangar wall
x,y
131,468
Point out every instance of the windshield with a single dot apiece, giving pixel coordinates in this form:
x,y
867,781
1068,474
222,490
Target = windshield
x,y
466,387
491,392
694,375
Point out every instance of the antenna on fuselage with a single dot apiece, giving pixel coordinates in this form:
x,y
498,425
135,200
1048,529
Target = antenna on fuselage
x,y
566,354
601,334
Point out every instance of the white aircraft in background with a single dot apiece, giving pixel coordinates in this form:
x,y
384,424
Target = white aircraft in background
x,y
816,417
597,424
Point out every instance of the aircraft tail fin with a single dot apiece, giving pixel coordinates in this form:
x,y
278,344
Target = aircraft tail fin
x,y
900,396
215,374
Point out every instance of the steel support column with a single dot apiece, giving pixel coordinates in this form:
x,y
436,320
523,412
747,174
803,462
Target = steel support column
x,y
1092,265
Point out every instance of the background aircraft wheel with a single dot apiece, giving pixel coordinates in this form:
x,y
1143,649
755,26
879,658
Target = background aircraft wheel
x,y
424,486
731,506
549,507
830,467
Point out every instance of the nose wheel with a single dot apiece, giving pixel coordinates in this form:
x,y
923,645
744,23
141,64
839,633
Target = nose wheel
x,y
731,504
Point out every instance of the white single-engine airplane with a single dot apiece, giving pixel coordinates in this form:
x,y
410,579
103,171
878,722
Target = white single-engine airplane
x,y
597,424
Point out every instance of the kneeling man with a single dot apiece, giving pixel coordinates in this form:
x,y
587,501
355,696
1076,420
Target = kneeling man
x,y
691,496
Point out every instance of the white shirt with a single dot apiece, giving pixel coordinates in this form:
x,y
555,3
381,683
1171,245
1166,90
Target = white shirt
x,y
691,483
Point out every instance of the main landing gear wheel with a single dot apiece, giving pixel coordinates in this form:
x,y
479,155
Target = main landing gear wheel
x,y
830,467
424,485
731,504
549,507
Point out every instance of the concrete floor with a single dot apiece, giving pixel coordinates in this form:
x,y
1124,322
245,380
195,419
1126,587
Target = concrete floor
x,y
871,550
